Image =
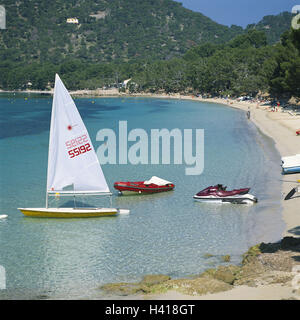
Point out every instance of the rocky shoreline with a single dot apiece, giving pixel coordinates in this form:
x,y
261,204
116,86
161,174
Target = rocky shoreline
x,y
263,264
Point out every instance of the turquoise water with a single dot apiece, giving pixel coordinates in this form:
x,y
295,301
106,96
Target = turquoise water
x,y
166,233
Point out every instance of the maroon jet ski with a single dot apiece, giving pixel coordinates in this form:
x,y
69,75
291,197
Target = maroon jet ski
x,y
219,194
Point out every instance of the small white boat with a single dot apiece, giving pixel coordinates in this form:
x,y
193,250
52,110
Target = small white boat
x,y
291,164
72,161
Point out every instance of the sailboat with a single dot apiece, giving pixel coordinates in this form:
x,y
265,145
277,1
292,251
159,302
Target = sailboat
x,y
72,162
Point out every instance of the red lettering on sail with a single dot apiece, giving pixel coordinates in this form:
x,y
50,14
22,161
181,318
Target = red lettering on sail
x,y
78,146
80,150
76,141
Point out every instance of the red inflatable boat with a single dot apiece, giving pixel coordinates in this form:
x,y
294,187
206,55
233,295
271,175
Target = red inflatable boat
x,y
154,185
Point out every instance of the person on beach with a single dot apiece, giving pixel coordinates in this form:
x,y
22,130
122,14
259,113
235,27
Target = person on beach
x,y
248,113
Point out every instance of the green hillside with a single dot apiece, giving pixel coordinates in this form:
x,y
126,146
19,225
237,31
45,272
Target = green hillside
x,y
273,26
114,31
119,30
157,43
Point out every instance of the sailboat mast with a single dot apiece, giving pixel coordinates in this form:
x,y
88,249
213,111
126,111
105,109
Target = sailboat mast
x,y
46,199
50,133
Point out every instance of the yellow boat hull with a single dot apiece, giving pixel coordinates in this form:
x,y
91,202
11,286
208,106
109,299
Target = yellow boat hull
x,y
68,212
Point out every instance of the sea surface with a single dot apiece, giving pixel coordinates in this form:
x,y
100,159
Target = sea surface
x,y
166,233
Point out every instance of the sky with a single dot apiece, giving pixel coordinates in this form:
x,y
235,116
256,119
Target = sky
x,y
239,12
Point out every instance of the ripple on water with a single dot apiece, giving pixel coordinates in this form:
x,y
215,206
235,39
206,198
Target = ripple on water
x,y
166,233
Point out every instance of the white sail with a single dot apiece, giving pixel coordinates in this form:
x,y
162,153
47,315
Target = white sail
x,y
72,159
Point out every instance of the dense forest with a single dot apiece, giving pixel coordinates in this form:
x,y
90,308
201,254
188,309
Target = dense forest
x,y
160,45
107,31
245,65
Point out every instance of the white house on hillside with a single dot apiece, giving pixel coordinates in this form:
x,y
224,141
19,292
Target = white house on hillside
x,y
72,20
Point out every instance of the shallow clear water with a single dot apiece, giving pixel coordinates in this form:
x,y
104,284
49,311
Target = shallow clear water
x,y
165,233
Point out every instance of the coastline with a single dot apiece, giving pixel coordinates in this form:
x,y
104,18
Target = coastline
x,y
280,127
